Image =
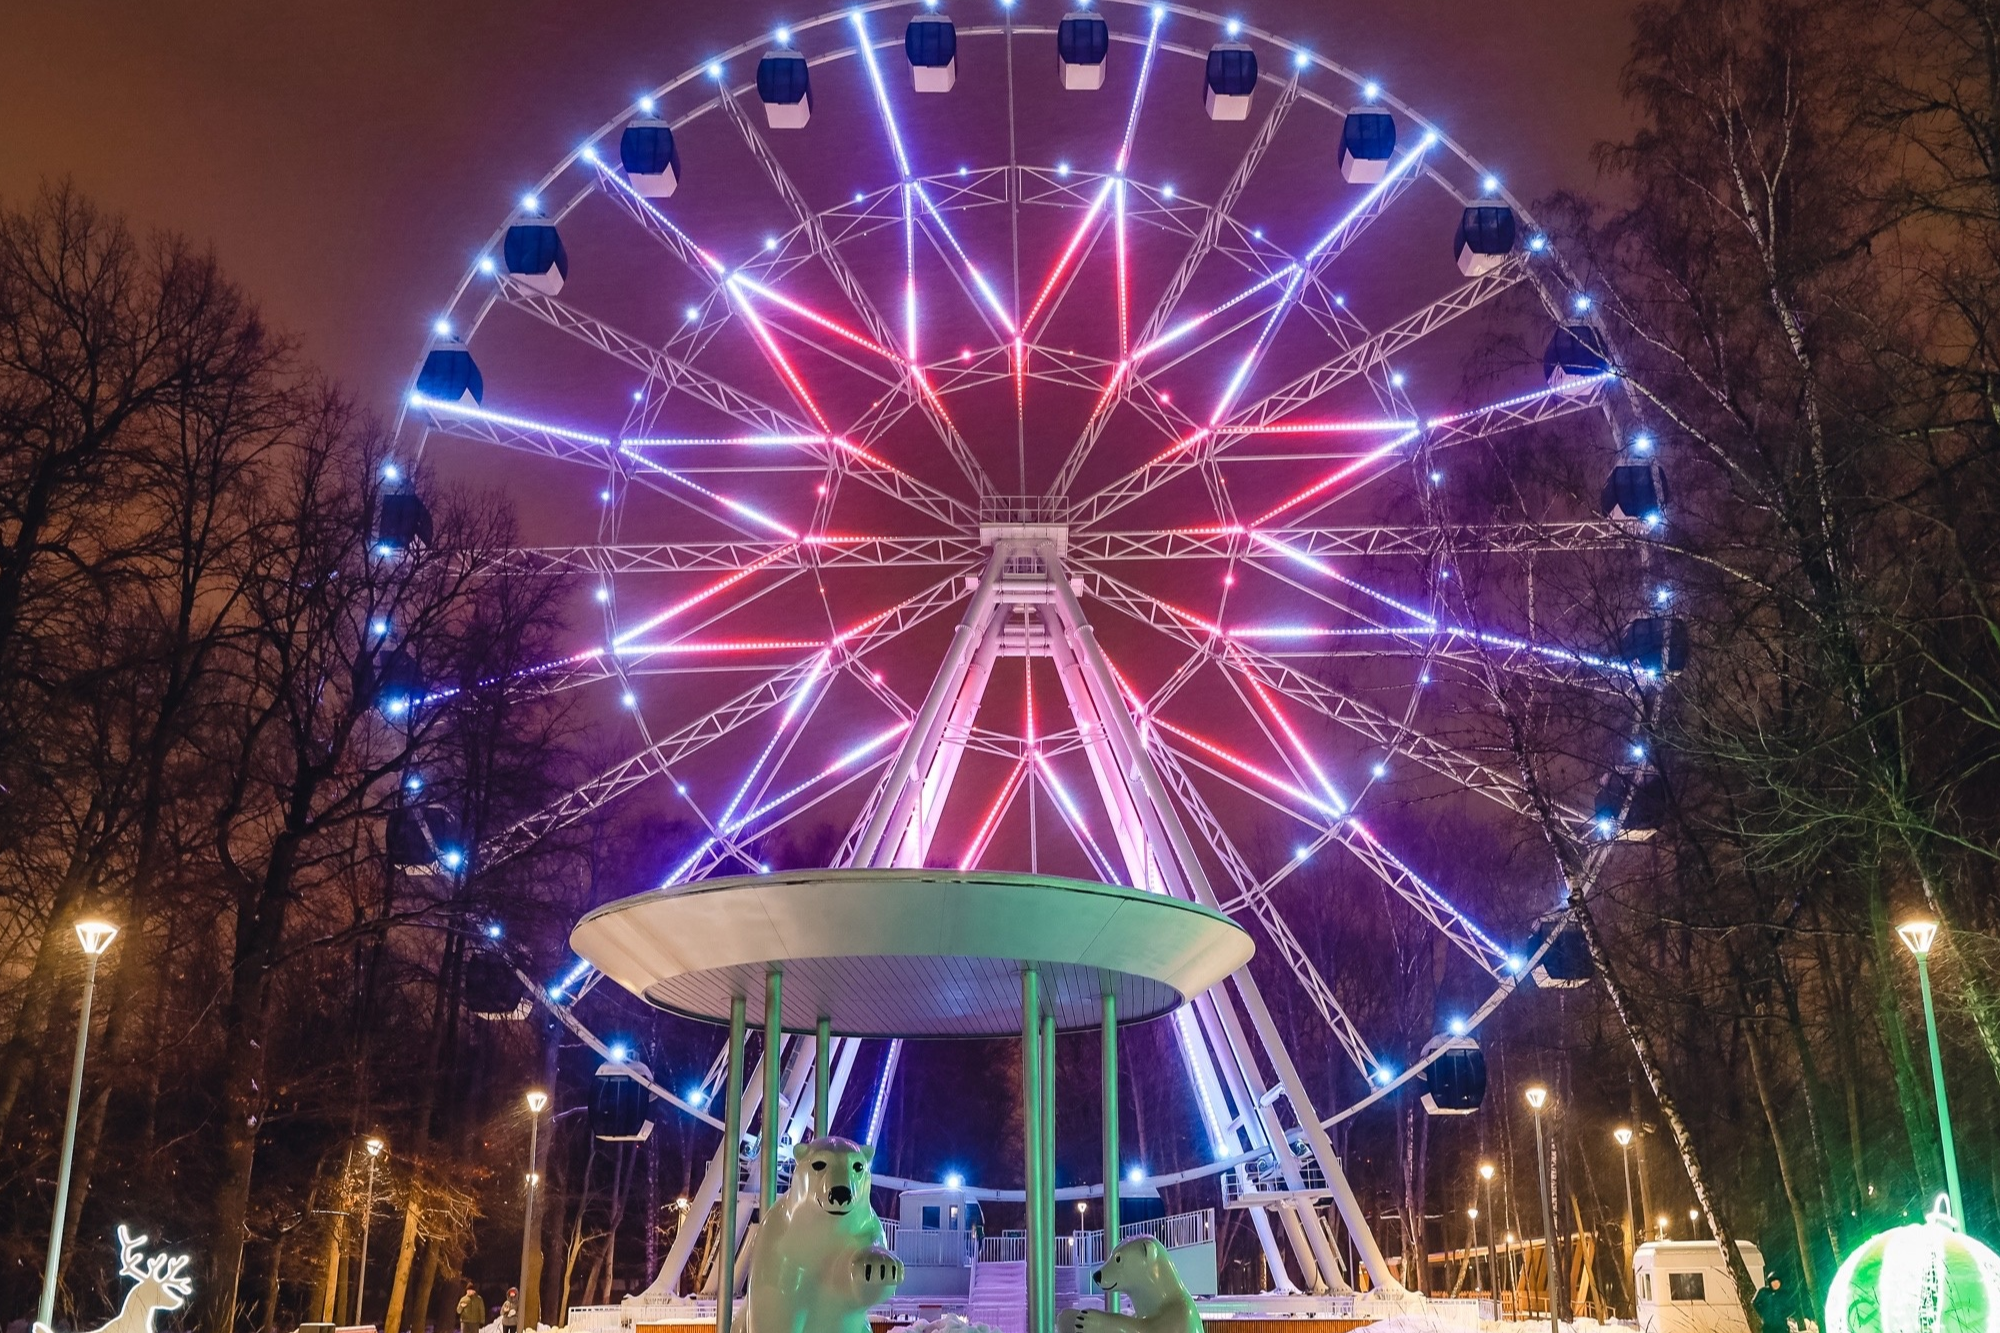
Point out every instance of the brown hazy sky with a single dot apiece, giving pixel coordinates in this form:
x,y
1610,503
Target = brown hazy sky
x,y
346,156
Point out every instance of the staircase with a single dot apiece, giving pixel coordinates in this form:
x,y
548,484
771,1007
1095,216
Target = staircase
x,y
999,1295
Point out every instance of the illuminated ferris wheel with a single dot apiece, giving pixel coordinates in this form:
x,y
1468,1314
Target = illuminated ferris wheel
x,y
1028,444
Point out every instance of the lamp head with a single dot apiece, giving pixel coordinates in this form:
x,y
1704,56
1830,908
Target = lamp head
x,y
374,1147
1472,1213
1538,1096
1623,1135
1486,1170
537,1099
1917,936
95,936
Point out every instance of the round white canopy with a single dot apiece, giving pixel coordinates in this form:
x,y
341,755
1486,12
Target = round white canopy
x,y
911,953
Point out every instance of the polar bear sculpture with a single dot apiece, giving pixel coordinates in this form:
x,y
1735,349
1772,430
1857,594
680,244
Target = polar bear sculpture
x,y
818,1263
1140,1271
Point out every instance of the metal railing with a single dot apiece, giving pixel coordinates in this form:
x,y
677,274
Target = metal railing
x,y
1078,1249
936,1249
1008,1248
1264,1176
1176,1232
1007,509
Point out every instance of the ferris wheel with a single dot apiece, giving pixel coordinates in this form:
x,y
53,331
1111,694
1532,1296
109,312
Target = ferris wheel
x,y
1026,443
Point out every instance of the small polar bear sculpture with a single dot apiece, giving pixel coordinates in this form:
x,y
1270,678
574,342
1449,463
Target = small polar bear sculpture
x,y
1140,1271
818,1264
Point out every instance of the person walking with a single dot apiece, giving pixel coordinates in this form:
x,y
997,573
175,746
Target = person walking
x,y
510,1309
1773,1305
471,1311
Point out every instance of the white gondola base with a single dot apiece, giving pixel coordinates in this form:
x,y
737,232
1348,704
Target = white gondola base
x,y
1362,170
789,115
654,184
935,78
1082,78
1227,106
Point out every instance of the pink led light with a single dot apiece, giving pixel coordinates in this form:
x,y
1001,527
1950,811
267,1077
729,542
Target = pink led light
x,y
687,647
722,584
1298,743
1237,761
1069,253
694,441
1334,478
1124,296
778,358
804,311
1323,428
990,823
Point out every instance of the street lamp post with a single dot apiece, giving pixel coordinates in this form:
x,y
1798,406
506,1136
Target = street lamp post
x,y
1661,1220
537,1100
1492,1269
95,937
374,1147
1919,936
1538,1097
1624,1136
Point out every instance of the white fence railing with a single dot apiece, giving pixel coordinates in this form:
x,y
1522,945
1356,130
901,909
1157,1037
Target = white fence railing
x,y
1076,1249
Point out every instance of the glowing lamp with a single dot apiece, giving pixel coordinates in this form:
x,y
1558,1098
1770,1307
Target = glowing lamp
x,y
1472,1213
954,1181
1623,1135
536,1101
1486,1170
95,936
374,1147
1917,936
1538,1097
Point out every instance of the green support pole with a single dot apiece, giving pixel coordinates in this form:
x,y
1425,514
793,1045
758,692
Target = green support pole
x,y
1110,1097
1031,1135
774,1119
732,1141
1944,1108
823,1080
1048,1174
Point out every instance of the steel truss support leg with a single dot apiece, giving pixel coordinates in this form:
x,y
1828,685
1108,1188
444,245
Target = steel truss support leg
x,y
1138,836
1137,762
732,1134
900,790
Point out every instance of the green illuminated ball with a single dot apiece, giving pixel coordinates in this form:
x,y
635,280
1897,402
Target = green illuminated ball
x,y
1928,1278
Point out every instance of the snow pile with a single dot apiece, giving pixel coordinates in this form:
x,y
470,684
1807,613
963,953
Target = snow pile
x,y
950,1323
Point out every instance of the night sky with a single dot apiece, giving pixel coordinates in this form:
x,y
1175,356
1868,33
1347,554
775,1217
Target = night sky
x,y
345,158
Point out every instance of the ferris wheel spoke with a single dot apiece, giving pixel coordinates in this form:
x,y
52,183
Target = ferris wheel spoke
x,y
1335,824
1417,541
684,557
1528,409
466,421
1201,443
1297,960
671,371
654,760
1154,334
1380,731
1412,328
1351,226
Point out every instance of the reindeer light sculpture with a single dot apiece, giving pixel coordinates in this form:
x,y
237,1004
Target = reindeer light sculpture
x,y
157,1284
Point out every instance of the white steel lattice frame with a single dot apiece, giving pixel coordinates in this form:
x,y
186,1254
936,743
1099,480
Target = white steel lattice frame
x,y
1022,564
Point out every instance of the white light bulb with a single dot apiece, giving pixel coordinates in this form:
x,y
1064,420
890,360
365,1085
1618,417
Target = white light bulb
x,y
1167,190
604,594
442,328
486,264
784,37
1371,90
646,105
1235,27
630,700
1301,59
1491,185
530,204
